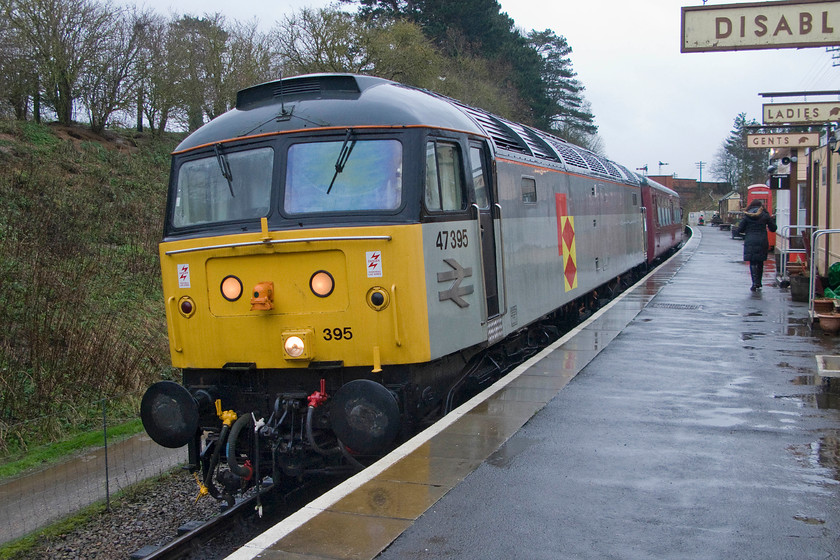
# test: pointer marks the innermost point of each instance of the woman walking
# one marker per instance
(754, 225)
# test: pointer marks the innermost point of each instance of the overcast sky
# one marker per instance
(651, 103)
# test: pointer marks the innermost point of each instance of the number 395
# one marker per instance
(338, 333)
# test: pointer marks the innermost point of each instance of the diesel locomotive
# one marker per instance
(346, 258)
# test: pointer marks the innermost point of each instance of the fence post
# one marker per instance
(105, 434)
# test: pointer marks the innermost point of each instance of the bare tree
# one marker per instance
(111, 78)
(63, 37)
(158, 94)
(18, 78)
(323, 40)
(250, 55)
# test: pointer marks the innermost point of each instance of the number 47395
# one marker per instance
(452, 239)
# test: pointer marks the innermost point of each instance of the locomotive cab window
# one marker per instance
(444, 178)
(224, 187)
(344, 175)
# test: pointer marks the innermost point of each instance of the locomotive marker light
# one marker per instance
(231, 288)
(322, 283)
(760, 25)
(186, 306)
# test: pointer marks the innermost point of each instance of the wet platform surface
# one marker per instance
(685, 421)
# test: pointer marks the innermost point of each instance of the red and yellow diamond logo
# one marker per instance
(566, 242)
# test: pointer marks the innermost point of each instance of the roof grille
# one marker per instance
(291, 88)
(594, 163)
(569, 154)
(537, 144)
(501, 134)
(611, 169)
(627, 173)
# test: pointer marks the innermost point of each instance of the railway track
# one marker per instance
(220, 536)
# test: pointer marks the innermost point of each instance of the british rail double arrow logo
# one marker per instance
(455, 291)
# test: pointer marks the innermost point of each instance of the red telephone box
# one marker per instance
(765, 195)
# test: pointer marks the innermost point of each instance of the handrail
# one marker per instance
(282, 241)
(484, 311)
(812, 284)
(788, 250)
(395, 315)
(502, 252)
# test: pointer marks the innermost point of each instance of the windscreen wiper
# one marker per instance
(224, 166)
(343, 156)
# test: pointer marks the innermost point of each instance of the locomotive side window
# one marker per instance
(479, 182)
(343, 176)
(224, 187)
(529, 190)
(444, 182)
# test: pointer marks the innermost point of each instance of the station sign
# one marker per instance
(784, 140)
(761, 25)
(779, 182)
(800, 113)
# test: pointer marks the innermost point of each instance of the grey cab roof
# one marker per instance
(319, 101)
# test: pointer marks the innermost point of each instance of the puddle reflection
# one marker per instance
(828, 453)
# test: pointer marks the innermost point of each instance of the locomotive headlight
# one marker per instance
(322, 283)
(294, 346)
(231, 288)
(297, 345)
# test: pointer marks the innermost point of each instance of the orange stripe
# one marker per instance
(327, 128)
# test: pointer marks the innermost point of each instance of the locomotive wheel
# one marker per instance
(365, 416)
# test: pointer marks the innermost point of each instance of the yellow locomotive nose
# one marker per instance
(263, 299)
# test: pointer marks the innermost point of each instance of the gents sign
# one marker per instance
(761, 25)
(805, 113)
(786, 140)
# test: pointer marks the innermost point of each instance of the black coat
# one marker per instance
(754, 226)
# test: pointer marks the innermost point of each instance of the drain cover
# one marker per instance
(685, 306)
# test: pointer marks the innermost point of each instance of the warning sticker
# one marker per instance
(183, 276)
(374, 264)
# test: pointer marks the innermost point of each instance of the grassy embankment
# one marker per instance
(80, 299)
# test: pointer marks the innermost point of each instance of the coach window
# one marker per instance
(529, 190)
(444, 180)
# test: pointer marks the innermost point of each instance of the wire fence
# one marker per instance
(37, 499)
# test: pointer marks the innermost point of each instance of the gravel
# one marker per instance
(148, 516)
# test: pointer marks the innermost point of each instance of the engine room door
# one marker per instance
(483, 206)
